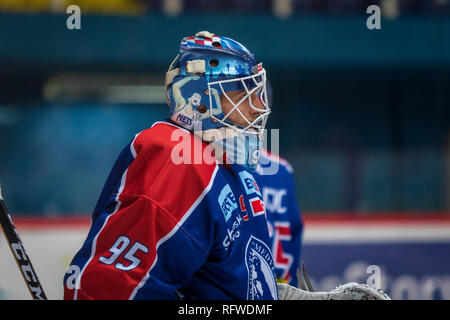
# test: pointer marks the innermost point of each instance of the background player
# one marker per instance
(274, 177)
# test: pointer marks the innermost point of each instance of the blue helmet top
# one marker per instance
(233, 58)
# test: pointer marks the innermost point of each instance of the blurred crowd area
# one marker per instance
(281, 8)
(364, 116)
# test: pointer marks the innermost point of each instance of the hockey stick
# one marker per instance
(303, 279)
(18, 251)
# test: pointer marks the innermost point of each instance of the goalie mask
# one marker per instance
(216, 87)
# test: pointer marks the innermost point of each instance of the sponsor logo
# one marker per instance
(227, 202)
(184, 119)
(260, 267)
(233, 232)
(249, 183)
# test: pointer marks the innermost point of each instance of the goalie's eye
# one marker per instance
(239, 97)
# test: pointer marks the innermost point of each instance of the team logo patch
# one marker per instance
(227, 202)
(260, 267)
(249, 183)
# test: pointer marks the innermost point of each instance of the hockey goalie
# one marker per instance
(181, 215)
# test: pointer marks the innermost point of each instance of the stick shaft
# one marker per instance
(19, 254)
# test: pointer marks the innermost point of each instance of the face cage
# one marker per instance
(259, 89)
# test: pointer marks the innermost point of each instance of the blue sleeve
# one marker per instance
(296, 222)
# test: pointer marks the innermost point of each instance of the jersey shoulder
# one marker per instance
(158, 140)
(160, 170)
(165, 143)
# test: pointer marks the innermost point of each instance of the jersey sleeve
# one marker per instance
(143, 251)
(157, 236)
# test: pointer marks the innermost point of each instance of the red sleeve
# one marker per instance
(153, 202)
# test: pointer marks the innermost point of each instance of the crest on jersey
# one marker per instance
(260, 267)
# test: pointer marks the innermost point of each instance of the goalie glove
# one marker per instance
(348, 291)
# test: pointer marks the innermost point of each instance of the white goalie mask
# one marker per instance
(253, 91)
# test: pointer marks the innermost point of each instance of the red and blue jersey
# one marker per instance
(167, 230)
(275, 177)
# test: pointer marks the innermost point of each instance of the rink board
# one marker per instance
(412, 255)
